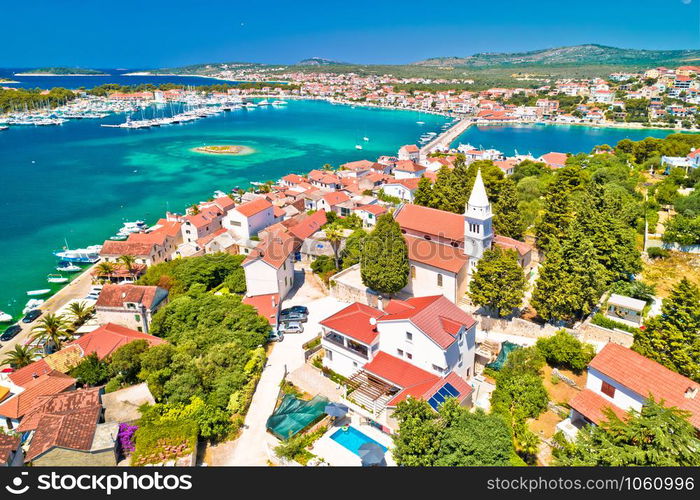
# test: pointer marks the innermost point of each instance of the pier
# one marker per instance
(446, 138)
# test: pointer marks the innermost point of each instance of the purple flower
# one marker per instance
(125, 437)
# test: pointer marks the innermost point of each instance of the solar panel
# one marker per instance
(451, 389)
(434, 404)
(446, 391)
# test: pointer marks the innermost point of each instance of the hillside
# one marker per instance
(319, 61)
(62, 71)
(590, 54)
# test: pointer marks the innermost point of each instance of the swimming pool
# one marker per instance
(352, 439)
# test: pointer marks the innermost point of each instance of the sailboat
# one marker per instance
(358, 146)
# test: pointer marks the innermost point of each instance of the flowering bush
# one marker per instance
(125, 437)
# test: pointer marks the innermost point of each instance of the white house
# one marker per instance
(269, 268)
(248, 219)
(408, 169)
(132, 306)
(369, 214)
(410, 348)
(404, 189)
(409, 152)
(622, 380)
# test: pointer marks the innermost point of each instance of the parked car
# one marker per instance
(290, 315)
(275, 336)
(10, 333)
(299, 309)
(291, 327)
(32, 315)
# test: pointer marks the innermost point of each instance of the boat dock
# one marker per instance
(446, 138)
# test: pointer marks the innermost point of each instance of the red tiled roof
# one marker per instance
(74, 430)
(373, 209)
(509, 243)
(110, 337)
(408, 166)
(410, 148)
(278, 212)
(411, 183)
(335, 198)
(225, 203)
(591, 405)
(133, 248)
(437, 255)
(353, 321)
(205, 216)
(308, 224)
(554, 159)
(427, 389)
(267, 306)
(435, 316)
(357, 165)
(398, 371)
(64, 402)
(251, 208)
(207, 239)
(273, 249)
(644, 377)
(170, 227)
(50, 383)
(116, 295)
(431, 221)
(8, 445)
(61, 361)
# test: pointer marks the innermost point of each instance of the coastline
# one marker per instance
(62, 75)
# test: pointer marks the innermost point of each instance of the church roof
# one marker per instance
(478, 197)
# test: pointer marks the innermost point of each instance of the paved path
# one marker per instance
(251, 447)
(76, 289)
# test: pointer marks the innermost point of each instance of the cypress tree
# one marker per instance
(499, 281)
(384, 263)
(508, 220)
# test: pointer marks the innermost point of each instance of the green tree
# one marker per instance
(353, 248)
(334, 235)
(564, 350)
(125, 362)
(91, 370)
(656, 436)
(508, 220)
(80, 312)
(19, 357)
(384, 262)
(424, 194)
(499, 281)
(52, 329)
(570, 279)
(673, 337)
(129, 263)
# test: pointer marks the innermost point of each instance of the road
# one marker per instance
(77, 289)
(251, 447)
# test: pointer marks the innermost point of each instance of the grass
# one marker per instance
(665, 273)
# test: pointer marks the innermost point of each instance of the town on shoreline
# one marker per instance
(508, 310)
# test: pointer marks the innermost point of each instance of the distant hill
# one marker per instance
(62, 71)
(319, 61)
(205, 69)
(590, 54)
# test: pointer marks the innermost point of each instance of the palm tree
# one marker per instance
(128, 261)
(80, 313)
(334, 235)
(105, 268)
(52, 329)
(20, 357)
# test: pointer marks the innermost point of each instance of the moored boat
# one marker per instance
(32, 304)
(42, 291)
(67, 267)
(56, 278)
(87, 255)
(4, 317)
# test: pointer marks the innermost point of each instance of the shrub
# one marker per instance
(657, 253)
(605, 322)
(564, 350)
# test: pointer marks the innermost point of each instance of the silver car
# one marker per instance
(291, 327)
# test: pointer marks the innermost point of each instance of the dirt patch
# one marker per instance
(664, 274)
(561, 392)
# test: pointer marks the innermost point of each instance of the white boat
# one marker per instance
(420, 123)
(279, 103)
(365, 138)
(4, 317)
(87, 255)
(358, 146)
(264, 102)
(68, 268)
(56, 278)
(32, 304)
(42, 291)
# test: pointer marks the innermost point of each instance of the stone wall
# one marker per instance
(56, 457)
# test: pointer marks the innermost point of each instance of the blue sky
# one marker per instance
(157, 33)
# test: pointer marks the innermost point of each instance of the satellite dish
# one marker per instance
(373, 321)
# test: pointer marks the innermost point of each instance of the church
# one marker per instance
(444, 248)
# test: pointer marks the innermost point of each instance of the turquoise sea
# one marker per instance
(79, 181)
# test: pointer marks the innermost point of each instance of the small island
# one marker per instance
(61, 71)
(6, 80)
(227, 149)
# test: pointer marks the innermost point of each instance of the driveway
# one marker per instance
(251, 447)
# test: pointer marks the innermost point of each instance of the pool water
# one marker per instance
(352, 439)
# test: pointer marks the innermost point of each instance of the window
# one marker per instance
(413, 272)
(608, 390)
(460, 359)
(329, 355)
(438, 369)
(139, 329)
(409, 355)
(399, 352)
(439, 280)
(409, 337)
(137, 317)
(235, 223)
(426, 237)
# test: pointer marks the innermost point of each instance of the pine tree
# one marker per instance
(555, 217)
(508, 220)
(673, 338)
(499, 281)
(424, 193)
(384, 263)
(570, 280)
(442, 195)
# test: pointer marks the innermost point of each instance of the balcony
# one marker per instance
(347, 344)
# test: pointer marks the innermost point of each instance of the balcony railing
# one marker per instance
(338, 341)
